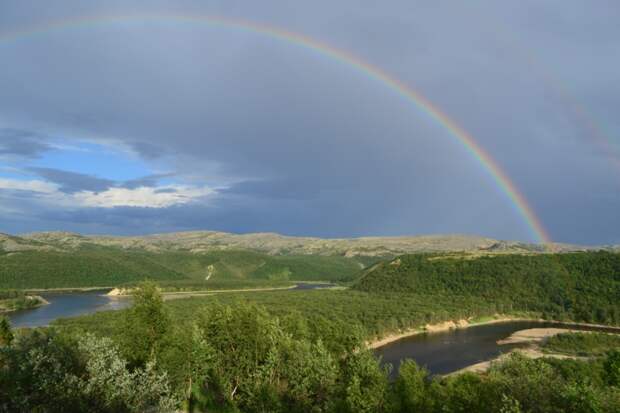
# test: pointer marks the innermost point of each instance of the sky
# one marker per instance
(151, 123)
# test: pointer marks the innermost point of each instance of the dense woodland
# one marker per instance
(304, 351)
(99, 266)
(242, 359)
(575, 286)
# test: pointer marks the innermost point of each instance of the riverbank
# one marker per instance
(120, 292)
(439, 328)
(532, 353)
(171, 295)
(535, 338)
(472, 322)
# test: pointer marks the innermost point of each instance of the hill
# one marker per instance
(92, 265)
(276, 244)
(581, 286)
(211, 259)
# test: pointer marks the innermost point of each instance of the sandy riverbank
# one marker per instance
(438, 328)
(452, 325)
(532, 353)
(116, 292)
(534, 337)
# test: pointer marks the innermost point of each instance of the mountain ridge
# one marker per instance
(277, 244)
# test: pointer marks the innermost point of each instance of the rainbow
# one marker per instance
(594, 131)
(499, 177)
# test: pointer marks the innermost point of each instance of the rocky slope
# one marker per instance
(275, 244)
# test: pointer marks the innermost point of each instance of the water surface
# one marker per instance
(67, 305)
(445, 352)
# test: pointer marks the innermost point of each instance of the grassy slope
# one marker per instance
(93, 265)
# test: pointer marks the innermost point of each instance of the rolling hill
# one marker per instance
(208, 258)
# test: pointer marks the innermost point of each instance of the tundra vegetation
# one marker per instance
(305, 351)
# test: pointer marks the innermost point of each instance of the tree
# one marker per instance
(612, 368)
(6, 335)
(365, 383)
(146, 324)
(410, 388)
(112, 387)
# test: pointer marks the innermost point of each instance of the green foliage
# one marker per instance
(582, 344)
(411, 389)
(514, 385)
(112, 387)
(13, 300)
(340, 318)
(49, 372)
(578, 286)
(6, 335)
(612, 368)
(145, 324)
(242, 358)
(99, 266)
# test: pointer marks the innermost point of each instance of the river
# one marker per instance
(448, 351)
(73, 304)
(440, 353)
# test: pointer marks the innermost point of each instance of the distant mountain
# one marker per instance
(275, 244)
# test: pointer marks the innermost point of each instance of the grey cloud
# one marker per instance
(148, 150)
(22, 143)
(71, 182)
(311, 144)
(275, 189)
(145, 181)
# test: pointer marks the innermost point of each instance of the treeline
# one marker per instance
(325, 312)
(242, 359)
(100, 266)
(582, 344)
(581, 286)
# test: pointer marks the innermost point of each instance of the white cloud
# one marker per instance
(34, 185)
(147, 197)
(161, 197)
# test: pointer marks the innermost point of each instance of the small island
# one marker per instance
(11, 300)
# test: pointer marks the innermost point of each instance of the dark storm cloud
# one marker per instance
(278, 189)
(301, 143)
(71, 182)
(22, 143)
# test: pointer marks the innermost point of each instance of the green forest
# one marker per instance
(306, 351)
(240, 358)
(574, 286)
(99, 266)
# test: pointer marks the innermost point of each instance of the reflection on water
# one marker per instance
(453, 350)
(67, 305)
